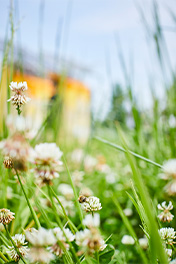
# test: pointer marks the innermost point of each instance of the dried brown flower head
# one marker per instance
(6, 216)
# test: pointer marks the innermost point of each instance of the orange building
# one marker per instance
(76, 98)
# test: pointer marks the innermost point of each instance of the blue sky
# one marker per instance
(89, 40)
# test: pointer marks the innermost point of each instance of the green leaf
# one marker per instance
(106, 255)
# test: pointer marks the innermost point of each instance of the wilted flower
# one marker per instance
(127, 240)
(40, 240)
(92, 204)
(90, 241)
(8, 163)
(46, 157)
(165, 215)
(66, 190)
(168, 235)
(92, 221)
(6, 216)
(18, 98)
(20, 243)
(62, 238)
(18, 151)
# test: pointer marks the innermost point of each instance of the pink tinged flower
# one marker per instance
(46, 157)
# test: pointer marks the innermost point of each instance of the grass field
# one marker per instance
(111, 200)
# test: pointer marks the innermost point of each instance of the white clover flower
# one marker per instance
(168, 252)
(22, 86)
(62, 236)
(171, 188)
(169, 169)
(128, 211)
(143, 242)
(92, 204)
(46, 157)
(18, 98)
(68, 205)
(127, 240)
(92, 221)
(66, 190)
(82, 237)
(41, 237)
(6, 216)
(20, 243)
(40, 255)
(168, 235)
(172, 261)
(90, 241)
(77, 156)
(89, 163)
(17, 149)
(110, 178)
(78, 177)
(165, 215)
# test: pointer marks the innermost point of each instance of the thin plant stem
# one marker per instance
(129, 151)
(71, 225)
(28, 202)
(3, 257)
(61, 226)
(74, 191)
(13, 243)
(97, 256)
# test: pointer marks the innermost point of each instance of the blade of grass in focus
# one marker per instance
(124, 150)
(156, 247)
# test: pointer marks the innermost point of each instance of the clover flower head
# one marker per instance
(66, 190)
(143, 242)
(92, 204)
(169, 169)
(8, 163)
(18, 98)
(41, 237)
(6, 216)
(170, 188)
(40, 255)
(92, 221)
(165, 215)
(90, 241)
(46, 157)
(61, 236)
(127, 240)
(168, 235)
(20, 243)
(17, 149)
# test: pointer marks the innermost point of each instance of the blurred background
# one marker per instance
(91, 63)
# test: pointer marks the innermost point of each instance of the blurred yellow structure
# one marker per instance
(76, 116)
